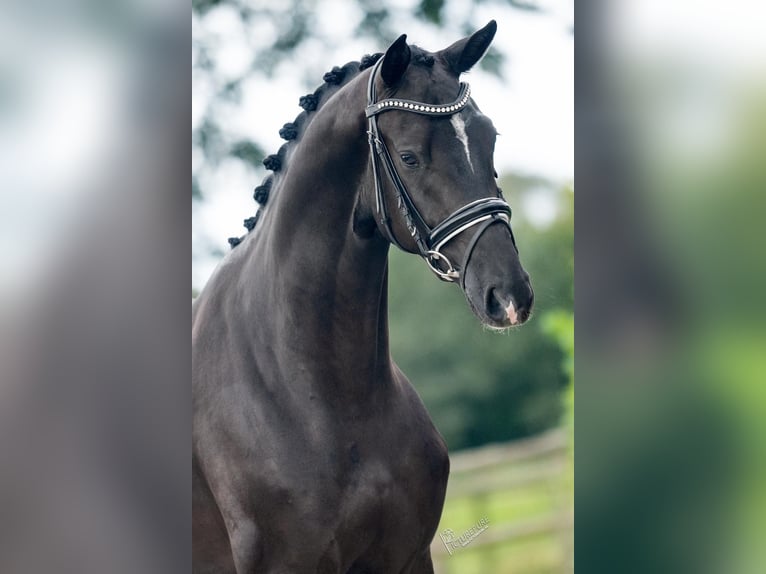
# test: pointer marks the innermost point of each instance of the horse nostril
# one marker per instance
(514, 306)
(495, 307)
(529, 298)
(525, 302)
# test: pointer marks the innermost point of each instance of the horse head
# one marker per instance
(435, 181)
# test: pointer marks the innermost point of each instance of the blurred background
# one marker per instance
(95, 412)
(513, 392)
(670, 106)
(670, 103)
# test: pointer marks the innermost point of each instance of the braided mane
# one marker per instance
(292, 131)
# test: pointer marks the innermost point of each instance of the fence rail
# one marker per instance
(550, 442)
(504, 475)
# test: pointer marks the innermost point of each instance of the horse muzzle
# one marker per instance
(496, 286)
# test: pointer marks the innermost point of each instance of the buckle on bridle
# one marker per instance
(450, 275)
(375, 142)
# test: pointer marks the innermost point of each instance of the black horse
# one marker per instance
(311, 450)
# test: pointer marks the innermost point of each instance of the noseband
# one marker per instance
(429, 240)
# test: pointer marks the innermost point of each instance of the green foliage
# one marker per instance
(431, 10)
(528, 6)
(560, 325)
(202, 6)
(480, 386)
(375, 23)
(248, 151)
(209, 139)
(492, 62)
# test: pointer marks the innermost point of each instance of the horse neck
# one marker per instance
(328, 285)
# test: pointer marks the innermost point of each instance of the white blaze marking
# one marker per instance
(459, 125)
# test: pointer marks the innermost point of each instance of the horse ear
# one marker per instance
(395, 61)
(463, 54)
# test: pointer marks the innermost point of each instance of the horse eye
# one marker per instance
(409, 159)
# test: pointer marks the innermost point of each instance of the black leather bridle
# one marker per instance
(429, 240)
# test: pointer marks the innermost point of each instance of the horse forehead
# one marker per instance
(431, 85)
(469, 126)
(479, 128)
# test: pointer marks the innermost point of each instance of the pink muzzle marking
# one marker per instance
(511, 312)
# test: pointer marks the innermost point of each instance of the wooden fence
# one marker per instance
(488, 483)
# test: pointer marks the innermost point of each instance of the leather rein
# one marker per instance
(429, 240)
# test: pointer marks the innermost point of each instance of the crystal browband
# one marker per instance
(421, 108)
